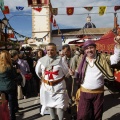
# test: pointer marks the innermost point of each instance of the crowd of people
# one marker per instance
(57, 77)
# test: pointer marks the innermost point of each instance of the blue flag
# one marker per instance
(19, 8)
(2, 4)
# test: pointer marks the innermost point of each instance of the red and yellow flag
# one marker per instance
(102, 10)
(88, 8)
(6, 10)
(70, 10)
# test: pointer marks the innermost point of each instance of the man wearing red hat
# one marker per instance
(92, 69)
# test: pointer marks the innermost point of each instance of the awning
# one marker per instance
(106, 42)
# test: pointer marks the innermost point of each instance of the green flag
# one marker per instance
(2, 4)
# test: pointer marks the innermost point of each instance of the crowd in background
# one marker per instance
(19, 80)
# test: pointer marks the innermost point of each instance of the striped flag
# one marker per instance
(102, 10)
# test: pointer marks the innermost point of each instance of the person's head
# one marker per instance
(14, 54)
(5, 60)
(40, 53)
(21, 54)
(51, 49)
(88, 18)
(89, 48)
(61, 53)
(66, 50)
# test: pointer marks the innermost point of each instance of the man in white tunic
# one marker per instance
(92, 69)
(53, 94)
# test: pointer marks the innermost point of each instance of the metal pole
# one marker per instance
(5, 37)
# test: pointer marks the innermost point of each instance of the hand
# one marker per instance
(71, 72)
(117, 40)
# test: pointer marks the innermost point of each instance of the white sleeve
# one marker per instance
(115, 58)
(38, 69)
(65, 68)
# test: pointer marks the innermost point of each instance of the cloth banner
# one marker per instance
(116, 8)
(19, 7)
(38, 9)
(70, 10)
(54, 11)
(6, 10)
(2, 4)
(102, 10)
(88, 8)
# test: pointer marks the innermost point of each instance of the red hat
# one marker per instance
(89, 43)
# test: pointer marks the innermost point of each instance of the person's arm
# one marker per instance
(115, 58)
(38, 69)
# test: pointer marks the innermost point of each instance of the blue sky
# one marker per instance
(22, 24)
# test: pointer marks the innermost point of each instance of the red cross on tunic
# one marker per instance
(51, 73)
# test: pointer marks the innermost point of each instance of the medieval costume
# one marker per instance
(53, 93)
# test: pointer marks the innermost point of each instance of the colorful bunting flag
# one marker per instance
(6, 10)
(88, 8)
(19, 7)
(70, 10)
(116, 8)
(38, 9)
(2, 4)
(54, 11)
(102, 10)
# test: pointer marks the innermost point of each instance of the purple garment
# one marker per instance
(24, 67)
(81, 70)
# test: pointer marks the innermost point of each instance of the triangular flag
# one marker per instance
(19, 8)
(102, 10)
(38, 9)
(116, 8)
(88, 8)
(2, 4)
(6, 10)
(70, 10)
(54, 11)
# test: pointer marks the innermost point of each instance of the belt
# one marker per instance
(52, 83)
(99, 90)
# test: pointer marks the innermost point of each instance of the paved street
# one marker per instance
(31, 108)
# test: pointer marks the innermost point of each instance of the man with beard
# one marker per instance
(92, 69)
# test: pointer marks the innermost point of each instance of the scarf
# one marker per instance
(81, 70)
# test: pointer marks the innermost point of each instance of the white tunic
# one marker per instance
(53, 96)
